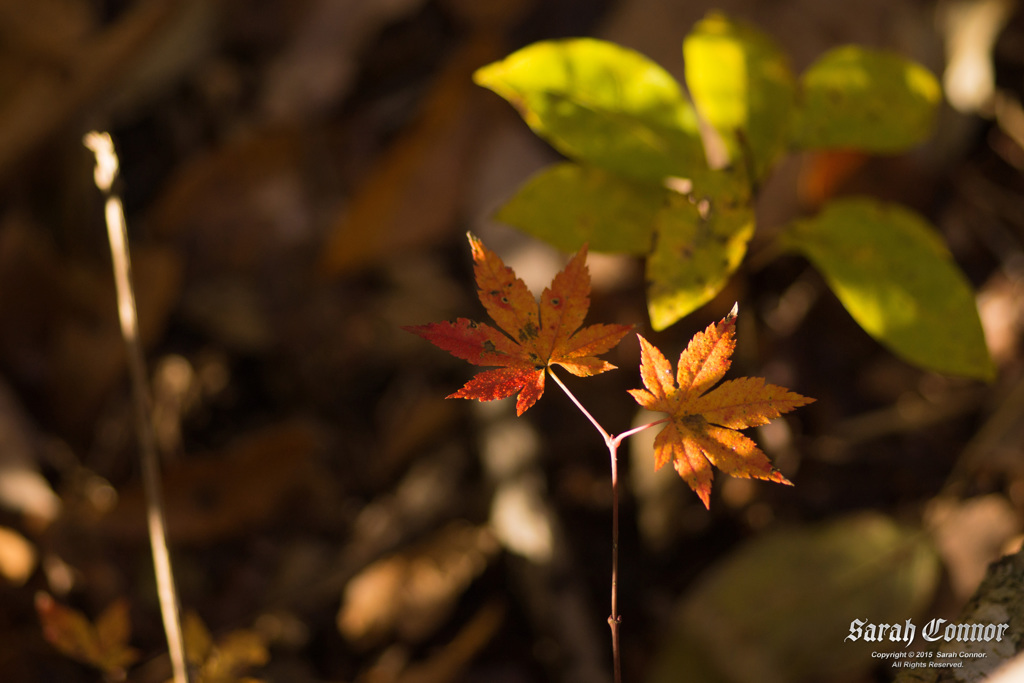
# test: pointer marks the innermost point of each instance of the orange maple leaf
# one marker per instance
(702, 429)
(531, 337)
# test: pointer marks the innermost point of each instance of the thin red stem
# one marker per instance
(612, 442)
(636, 430)
(604, 434)
(613, 619)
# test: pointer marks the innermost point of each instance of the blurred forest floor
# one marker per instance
(298, 180)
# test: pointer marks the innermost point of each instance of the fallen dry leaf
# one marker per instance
(103, 644)
(226, 659)
(51, 90)
(215, 496)
(416, 189)
(412, 592)
(449, 661)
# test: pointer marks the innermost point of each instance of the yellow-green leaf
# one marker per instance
(741, 83)
(786, 599)
(895, 276)
(599, 102)
(868, 99)
(698, 245)
(569, 205)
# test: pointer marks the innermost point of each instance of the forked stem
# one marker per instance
(612, 442)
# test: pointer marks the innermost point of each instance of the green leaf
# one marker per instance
(568, 205)
(785, 600)
(741, 81)
(601, 103)
(699, 243)
(895, 276)
(868, 99)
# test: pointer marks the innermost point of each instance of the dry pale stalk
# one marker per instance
(105, 173)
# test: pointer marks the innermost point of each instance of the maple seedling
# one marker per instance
(703, 423)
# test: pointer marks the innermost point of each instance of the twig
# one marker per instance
(612, 442)
(106, 170)
(604, 435)
(614, 620)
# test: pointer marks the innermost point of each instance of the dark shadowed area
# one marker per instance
(298, 180)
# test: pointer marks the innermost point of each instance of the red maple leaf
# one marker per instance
(702, 430)
(531, 337)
